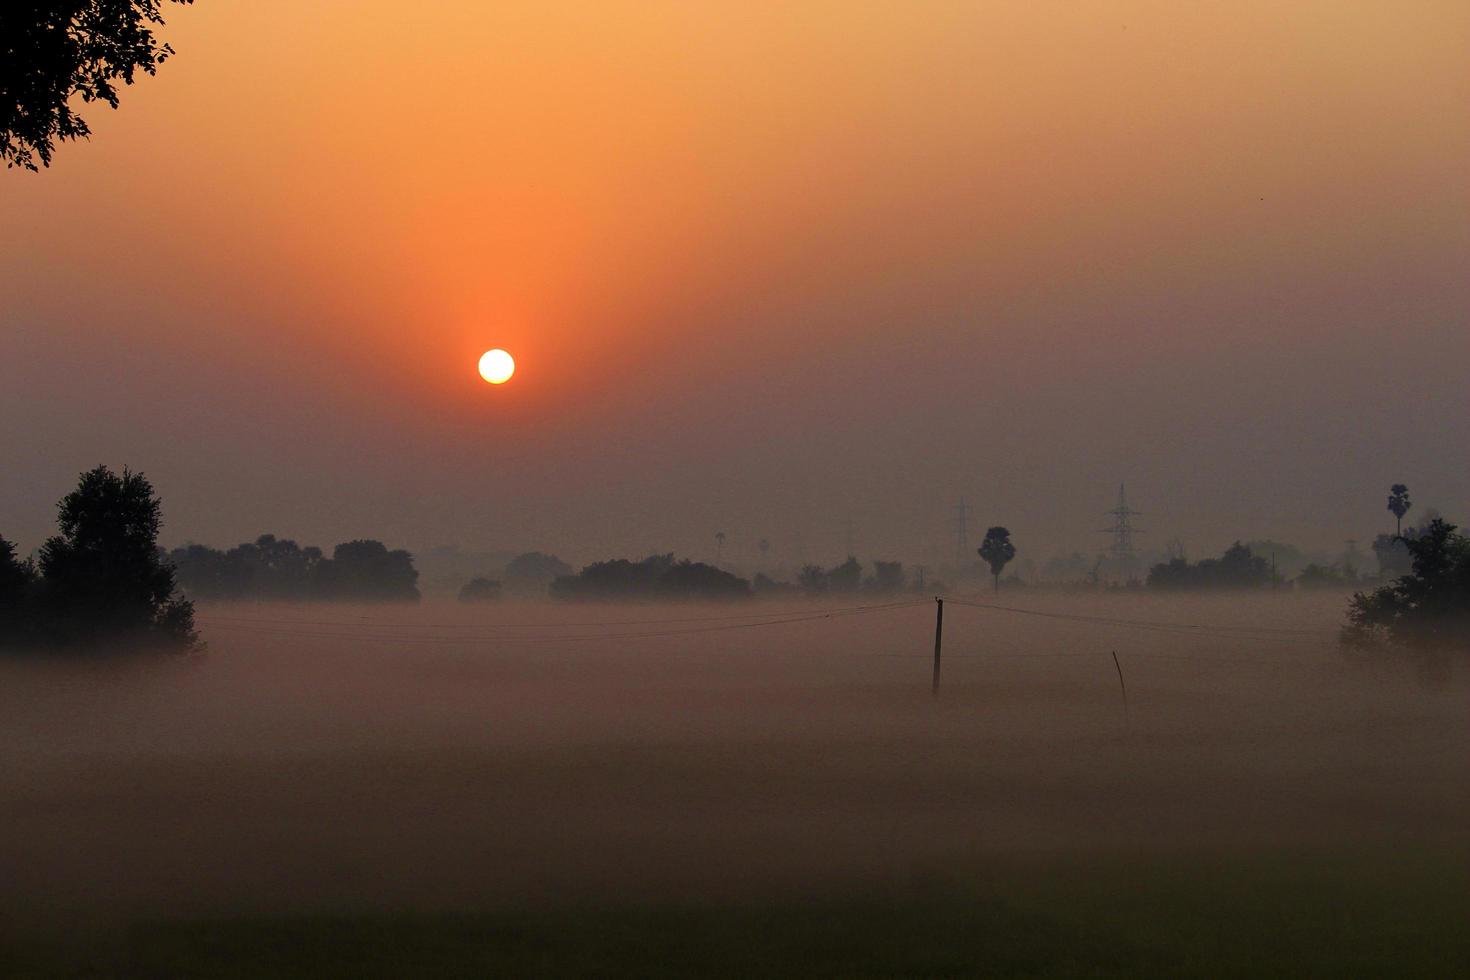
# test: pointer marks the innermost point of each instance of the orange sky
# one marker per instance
(762, 267)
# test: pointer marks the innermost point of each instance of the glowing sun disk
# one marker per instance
(496, 366)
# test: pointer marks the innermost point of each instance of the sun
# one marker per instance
(496, 366)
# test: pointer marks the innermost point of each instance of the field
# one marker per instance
(757, 789)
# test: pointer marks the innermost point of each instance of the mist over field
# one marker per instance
(332, 757)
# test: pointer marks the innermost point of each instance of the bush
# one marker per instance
(1428, 609)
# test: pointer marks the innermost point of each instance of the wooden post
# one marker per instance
(938, 636)
(1127, 721)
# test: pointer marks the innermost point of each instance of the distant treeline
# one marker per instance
(279, 568)
(655, 577)
(665, 577)
(888, 577)
(1237, 568)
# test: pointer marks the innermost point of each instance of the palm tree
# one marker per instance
(997, 551)
(719, 545)
(1398, 503)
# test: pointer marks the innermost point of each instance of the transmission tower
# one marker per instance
(961, 533)
(1120, 553)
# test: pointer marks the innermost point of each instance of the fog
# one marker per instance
(332, 757)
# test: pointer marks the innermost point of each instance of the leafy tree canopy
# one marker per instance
(997, 550)
(1430, 607)
(52, 51)
(104, 577)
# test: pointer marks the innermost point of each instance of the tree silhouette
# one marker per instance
(103, 576)
(1428, 608)
(1398, 504)
(846, 577)
(719, 545)
(1237, 568)
(368, 570)
(52, 50)
(17, 595)
(997, 551)
(655, 577)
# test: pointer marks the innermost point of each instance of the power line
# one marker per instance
(376, 623)
(1194, 629)
(573, 637)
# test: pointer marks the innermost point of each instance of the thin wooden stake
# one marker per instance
(1127, 721)
(938, 637)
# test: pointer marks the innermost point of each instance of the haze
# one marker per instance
(763, 270)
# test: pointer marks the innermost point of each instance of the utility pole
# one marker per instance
(938, 638)
(848, 527)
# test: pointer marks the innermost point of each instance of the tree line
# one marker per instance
(279, 568)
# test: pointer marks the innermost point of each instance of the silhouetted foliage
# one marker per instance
(1392, 550)
(812, 579)
(18, 584)
(655, 577)
(1237, 568)
(103, 578)
(845, 577)
(887, 579)
(764, 585)
(997, 551)
(480, 590)
(534, 571)
(366, 569)
(1426, 609)
(1398, 505)
(279, 568)
(54, 50)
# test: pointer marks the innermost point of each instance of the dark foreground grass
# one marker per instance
(1388, 916)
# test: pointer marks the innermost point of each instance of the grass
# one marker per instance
(1300, 917)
